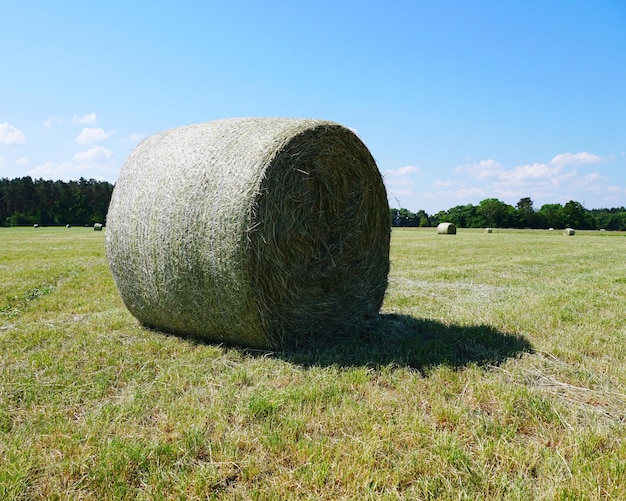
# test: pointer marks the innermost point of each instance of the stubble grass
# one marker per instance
(496, 371)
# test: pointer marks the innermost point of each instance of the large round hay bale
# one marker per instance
(254, 231)
(97, 227)
(446, 229)
(569, 232)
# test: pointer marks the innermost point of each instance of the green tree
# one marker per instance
(576, 216)
(494, 212)
(551, 216)
(462, 216)
(526, 212)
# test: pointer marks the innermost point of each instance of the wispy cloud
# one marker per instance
(92, 135)
(399, 181)
(492, 171)
(89, 118)
(52, 120)
(553, 181)
(444, 183)
(10, 134)
(576, 159)
(92, 155)
(95, 162)
(402, 176)
(481, 170)
(135, 137)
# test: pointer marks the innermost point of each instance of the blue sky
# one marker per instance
(458, 101)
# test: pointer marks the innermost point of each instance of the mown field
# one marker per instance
(497, 370)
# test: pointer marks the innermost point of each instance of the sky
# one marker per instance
(458, 101)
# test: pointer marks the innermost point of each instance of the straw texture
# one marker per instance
(254, 231)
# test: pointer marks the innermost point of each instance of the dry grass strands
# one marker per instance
(446, 229)
(254, 231)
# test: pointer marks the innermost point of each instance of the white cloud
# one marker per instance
(23, 161)
(448, 198)
(401, 176)
(135, 137)
(52, 120)
(404, 171)
(94, 162)
(524, 173)
(567, 176)
(441, 183)
(91, 135)
(11, 135)
(580, 158)
(89, 118)
(399, 181)
(482, 170)
(93, 154)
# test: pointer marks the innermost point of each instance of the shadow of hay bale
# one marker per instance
(405, 341)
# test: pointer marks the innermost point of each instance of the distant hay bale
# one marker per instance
(253, 231)
(35, 225)
(68, 225)
(569, 231)
(446, 229)
(97, 227)
(488, 230)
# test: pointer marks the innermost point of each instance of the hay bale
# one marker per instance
(253, 231)
(97, 227)
(446, 229)
(569, 231)
(68, 225)
(35, 225)
(488, 230)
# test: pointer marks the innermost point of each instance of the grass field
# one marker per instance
(497, 370)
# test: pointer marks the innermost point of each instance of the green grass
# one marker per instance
(497, 370)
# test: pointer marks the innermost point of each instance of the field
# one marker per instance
(497, 370)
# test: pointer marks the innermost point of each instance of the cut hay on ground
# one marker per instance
(446, 229)
(252, 231)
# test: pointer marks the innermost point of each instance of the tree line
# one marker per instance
(27, 202)
(24, 201)
(492, 212)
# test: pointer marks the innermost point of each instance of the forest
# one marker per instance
(24, 201)
(47, 203)
(492, 212)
